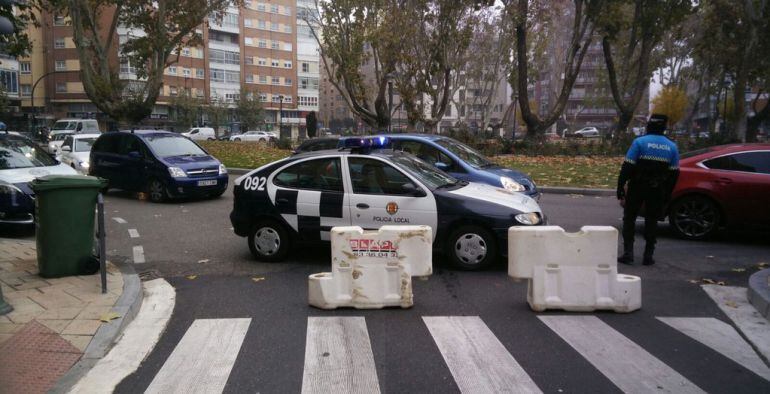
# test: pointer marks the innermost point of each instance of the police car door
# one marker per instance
(379, 196)
(309, 196)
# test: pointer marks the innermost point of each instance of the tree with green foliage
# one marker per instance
(158, 30)
(311, 123)
(21, 16)
(631, 30)
(185, 109)
(249, 110)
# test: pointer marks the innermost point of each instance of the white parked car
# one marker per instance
(55, 142)
(201, 134)
(75, 151)
(255, 136)
(588, 132)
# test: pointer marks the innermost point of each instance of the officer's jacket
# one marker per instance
(653, 159)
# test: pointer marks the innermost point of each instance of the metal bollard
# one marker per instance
(101, 239)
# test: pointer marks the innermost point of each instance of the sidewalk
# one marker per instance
(55, 322)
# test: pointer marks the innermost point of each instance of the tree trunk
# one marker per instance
(739, 102)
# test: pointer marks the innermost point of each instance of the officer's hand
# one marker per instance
(621, 193)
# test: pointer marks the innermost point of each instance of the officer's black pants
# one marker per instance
(653, 199)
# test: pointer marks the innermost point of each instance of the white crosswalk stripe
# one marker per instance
(478, 361)
(625, 363)
(721, 337)
(201, 362)
(338, 357)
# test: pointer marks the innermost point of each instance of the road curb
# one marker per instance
(126, 307)
(543, 189)
(759, 291)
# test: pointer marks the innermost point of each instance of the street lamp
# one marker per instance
(280, 116)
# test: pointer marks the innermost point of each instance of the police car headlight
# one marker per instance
(511, 185)
(529, 219)
(222, 169)
(176, 172)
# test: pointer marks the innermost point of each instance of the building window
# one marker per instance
(186, 72)
(199, 93)
(25, 67)
(200, 73)
(307, 101)
(58, 20)
(274, 9)
(260, 7)
(286, 46)
(226, 57)
(286, 64)
(61, 65)
(248, 60)
(186, 52)
(26, 90)
(231, 97)
(247, 22)
(172, 70)
(287, 81)
(276, 81)
(305, 67)
(58, 43)
(249, 79)
(287, 99)
(248, 41)
(172, 91)
(262, 44)
(61, 87)
(262, 79)
(262, 97)
(261, 62)
(308, 83)
(274, 63)
(287, 29)
(275, 45)
(261, 24)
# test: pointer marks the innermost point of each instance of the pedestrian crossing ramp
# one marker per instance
(373, 269)
(572, 271)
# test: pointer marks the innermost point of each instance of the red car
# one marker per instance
(726, 185)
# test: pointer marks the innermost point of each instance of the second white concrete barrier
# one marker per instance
(572, 271)
(373, 269)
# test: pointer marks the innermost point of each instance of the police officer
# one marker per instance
(651, 169)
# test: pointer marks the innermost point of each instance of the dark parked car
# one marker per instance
(316, 144)
(725, 185)
(161, 163)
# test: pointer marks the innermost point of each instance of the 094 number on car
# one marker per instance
(255, 183)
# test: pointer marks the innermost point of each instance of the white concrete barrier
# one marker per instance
(572, 271)
(373, 269)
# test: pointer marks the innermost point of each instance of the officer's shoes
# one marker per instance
(648, 260)
(626, 258)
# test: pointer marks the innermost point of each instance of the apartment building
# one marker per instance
(253, 49)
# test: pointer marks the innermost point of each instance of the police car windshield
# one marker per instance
(172, 145)
(465, 152)
(426, 173)
(17, 153)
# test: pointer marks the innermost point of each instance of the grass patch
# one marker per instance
(573, 171)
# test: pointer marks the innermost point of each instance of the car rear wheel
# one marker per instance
(694, 217)
(471, 248)
(269, 241)
(237, 139)
(157, 191)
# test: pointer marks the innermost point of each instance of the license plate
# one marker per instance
(207, 183)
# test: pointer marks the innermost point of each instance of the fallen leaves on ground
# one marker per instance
(712, 282)
(203, 261)
(109, 316)
(762, 265)
(243, 154)
(258, 278)
(191, 277)
(731, 304)
(739, 269)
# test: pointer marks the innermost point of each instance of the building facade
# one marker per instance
(253, 50)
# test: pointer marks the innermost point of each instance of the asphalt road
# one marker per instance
(182, 239)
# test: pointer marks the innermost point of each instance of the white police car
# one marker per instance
(300, 198)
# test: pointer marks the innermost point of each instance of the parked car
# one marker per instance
(587, 132)
(726, 185)
(201, 134)
(55, 142)
(316, 144)
(69, 126)
(263, 137)
(161, 163)
(21, 161)
(76, 150)
(301, 197)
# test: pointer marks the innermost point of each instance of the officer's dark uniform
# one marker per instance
(651, 169)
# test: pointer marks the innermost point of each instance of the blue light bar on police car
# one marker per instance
(367, 142)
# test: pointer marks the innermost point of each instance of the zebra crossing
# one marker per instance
(339, 356)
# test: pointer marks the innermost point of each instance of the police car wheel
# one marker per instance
(471, 248)
(269, 241)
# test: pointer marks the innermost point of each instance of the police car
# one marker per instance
(300, 198)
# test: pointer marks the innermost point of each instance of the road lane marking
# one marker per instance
(120, 220)
(622, 361)
(202, 361)
(722, 338)
(138, 254)
(338, 357)
(733, 301)
(133, 233)
(135, 343)
(478, 361)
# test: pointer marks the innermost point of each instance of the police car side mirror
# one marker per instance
(442, 166)
(412, 190)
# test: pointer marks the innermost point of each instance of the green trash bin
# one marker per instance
(65, 207)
